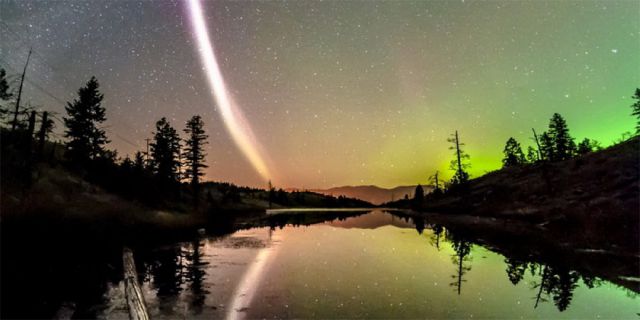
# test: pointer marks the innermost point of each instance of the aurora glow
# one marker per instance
(234, 120)
(337, 92)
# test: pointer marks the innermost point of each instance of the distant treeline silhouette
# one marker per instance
(167, 174)
(555, 144)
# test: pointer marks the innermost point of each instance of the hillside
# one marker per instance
(61, 199)
(598, 183)
(371, 193)
(592, 201)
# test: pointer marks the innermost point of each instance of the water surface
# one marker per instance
(373, 265)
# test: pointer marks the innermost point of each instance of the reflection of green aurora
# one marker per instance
(378, 265)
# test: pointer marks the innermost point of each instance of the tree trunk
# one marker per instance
(42, 134)
(15, 114)
(535, 136)
(458, 153)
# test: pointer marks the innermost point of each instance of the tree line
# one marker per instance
(554, 144)
(169, 152)
(167, 174)
(170, 161)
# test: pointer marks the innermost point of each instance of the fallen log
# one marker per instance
(133, 292)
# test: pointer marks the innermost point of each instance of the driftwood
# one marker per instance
(133, 292)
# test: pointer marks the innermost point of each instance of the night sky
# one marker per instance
(338, 92)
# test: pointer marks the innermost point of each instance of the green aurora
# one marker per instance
(344, 92)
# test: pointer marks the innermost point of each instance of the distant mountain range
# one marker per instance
(373, 194)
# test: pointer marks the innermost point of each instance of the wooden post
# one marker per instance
(133, 293)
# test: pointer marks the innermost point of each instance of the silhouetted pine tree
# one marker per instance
(563, 144)
(138, 162)
(164, 151)
(86, 138)
(46, 127)
(5, 94)
(587, 145)
(459, 164)
(513, 155)
(127, 165)
(436, 184)
(194, 153)
(547, 148)
(418, 196)
(635, 107)
(532, 155)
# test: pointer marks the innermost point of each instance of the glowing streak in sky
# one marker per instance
(235, 122)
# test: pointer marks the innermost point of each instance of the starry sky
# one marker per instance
(338, 92)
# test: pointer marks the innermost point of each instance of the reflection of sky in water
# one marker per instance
(224, 261)
(369, 266)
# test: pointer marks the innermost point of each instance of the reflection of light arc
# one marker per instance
(235, 122)
(248, 285)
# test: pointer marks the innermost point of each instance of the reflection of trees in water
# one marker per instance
(461, 247)
(559, 283)
(165, 272)
(515, 269)
(173, 270)
(419, 223)
(438, 232)
(195, 275)
(462, 250)
(555, 282)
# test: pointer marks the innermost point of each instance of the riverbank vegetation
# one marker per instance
(79, 178)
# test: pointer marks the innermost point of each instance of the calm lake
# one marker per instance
(372, 265)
